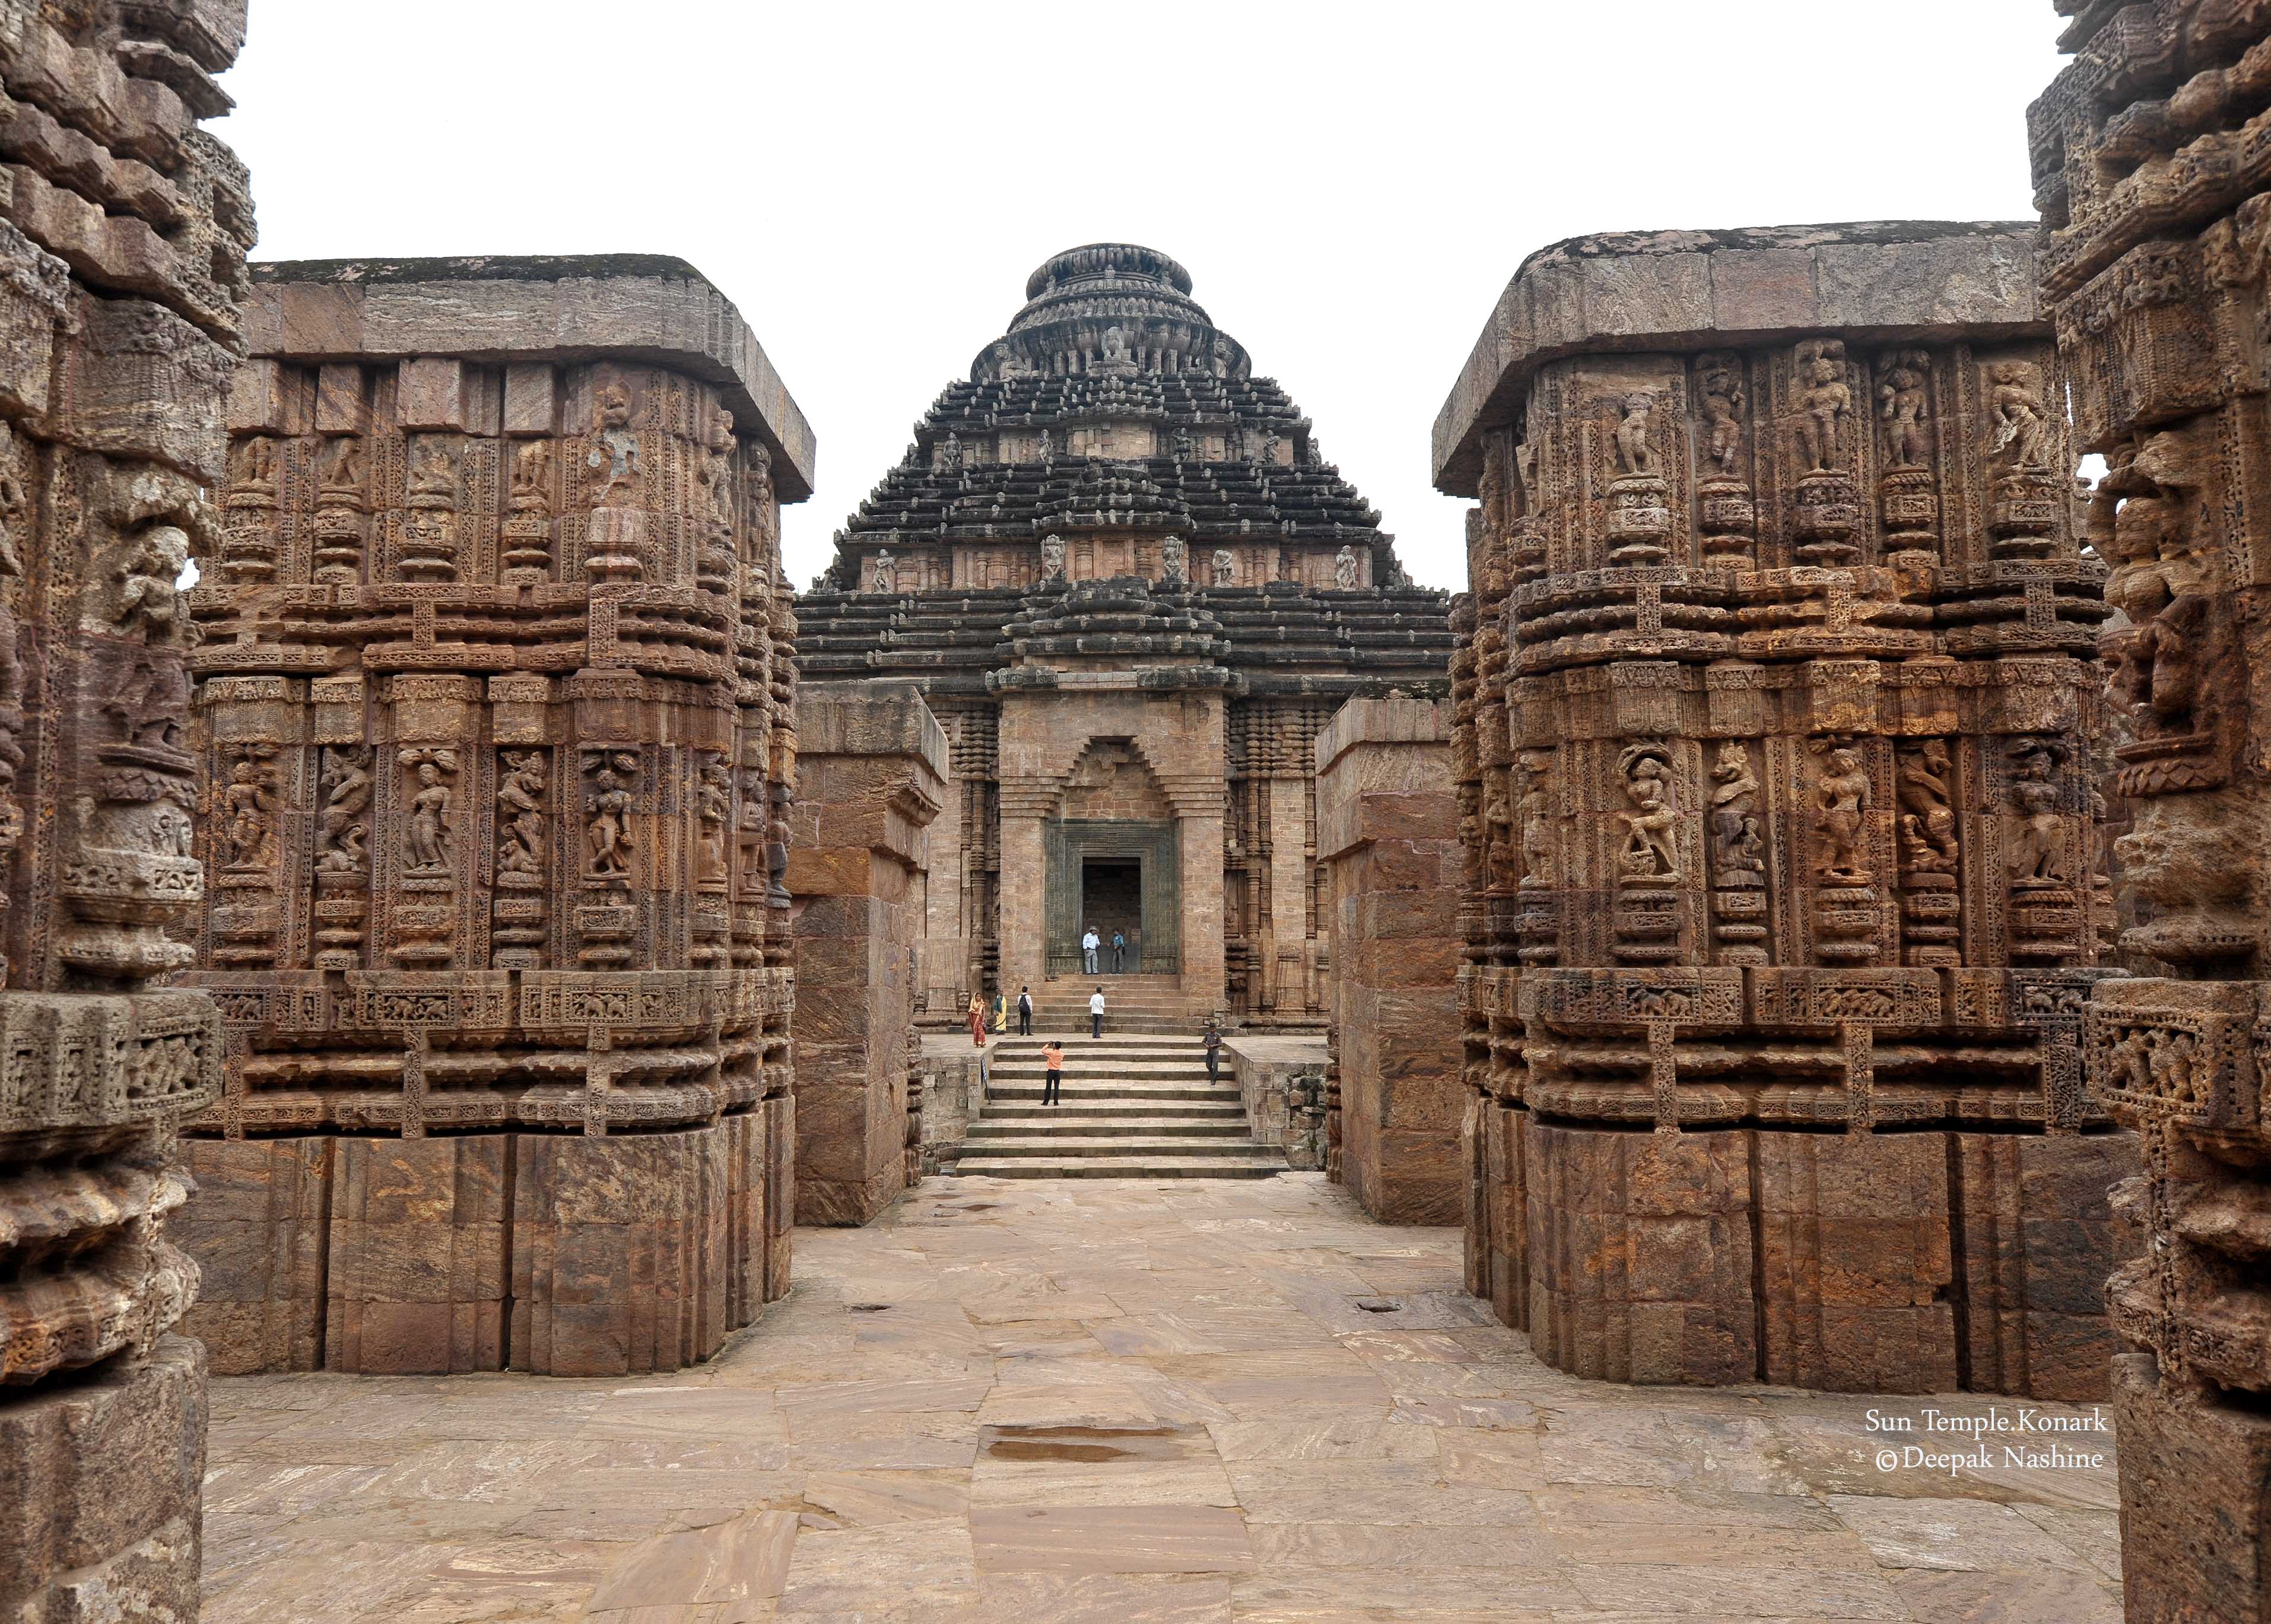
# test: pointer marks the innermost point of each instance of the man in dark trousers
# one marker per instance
(1025, 1012)
(1096, 1013)
(1214, 1055)
(1119, 953)
(1052, 1057)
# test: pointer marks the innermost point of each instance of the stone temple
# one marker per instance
(1133, 591)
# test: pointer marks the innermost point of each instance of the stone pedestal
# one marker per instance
(872, 774)
(1388, 831)
(1779, 839)
(496, 727)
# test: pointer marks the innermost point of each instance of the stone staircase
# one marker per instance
(1153, 1005)
(1134, 1107)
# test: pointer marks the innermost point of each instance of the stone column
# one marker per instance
(872, 774)
(1774, 756)
(496, 735)
(1388, 827)
(2153, 270)
(123, 231)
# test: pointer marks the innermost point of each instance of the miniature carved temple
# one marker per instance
(496, 716)
(1133, 591)
(123, 232)
(2157, 203)
(1774, 746)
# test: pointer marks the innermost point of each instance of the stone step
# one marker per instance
(1072, 1145)
(1024, 1126)
(1121, 1166)
(1089, 1092)
(1027, 1070)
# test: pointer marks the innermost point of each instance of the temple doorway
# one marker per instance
(1111, 898)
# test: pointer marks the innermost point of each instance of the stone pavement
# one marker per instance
(1032, 1403)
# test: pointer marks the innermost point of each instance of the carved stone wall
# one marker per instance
(1774, 750)
(2158, 204)
(496, 726)
(123, 232)
(872, 772)
(1388, 830)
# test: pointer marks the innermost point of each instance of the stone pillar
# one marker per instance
(1388, 829)
(1775, 750)
(2153, 270)
(872, 772)
(493, 725)
(123, 232)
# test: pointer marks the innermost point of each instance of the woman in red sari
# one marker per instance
(978, 1019)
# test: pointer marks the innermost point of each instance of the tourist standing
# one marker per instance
(1089, 943)
(1214, 1055)
(978, 1019)
(1052, 1057)
(1118, 952)
(1096, 1013)
(1025, 1012)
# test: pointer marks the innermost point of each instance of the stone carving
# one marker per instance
(1183, 554)
(1808, 774)
(2152, 270)
(887, 573)
(121, 274)
(496, 821)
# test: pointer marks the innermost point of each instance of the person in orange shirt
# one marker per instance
(1052, 1057)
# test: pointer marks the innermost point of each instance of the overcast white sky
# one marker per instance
(1350, 187)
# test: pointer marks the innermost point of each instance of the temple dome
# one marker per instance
(1110, 308)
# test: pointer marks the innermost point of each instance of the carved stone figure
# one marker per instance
(428, 834)
(1225, 566)
(1184, 445)
(950, 454)
(246, 839)
(1724, 402)
(607, 825)
(1825, 401)
(887, 573)
(1737, 847)
(1173, 564)
(1053, 559)
(1345, 570)
(2022, 430)
(1920, 782)
(521, 843)
(713, 806)
(1842, 796)
(614, 457)
(1648, 853)
(1903, 406)
(344, 831)
(1636, 443)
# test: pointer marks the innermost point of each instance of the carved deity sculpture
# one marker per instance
(427, 838)
(1048, 448)
(1172, 561)
(606, 826)
(1842, 796)
(1648, 855)
(1921, 784)
(521, 841)
(344, 832)
(1635, 436)
(1053, 559)
(1723, 413)
(1904, 406)
(2021, 427)
(1737, 847)
(614, 454)
(887, 573)
(1345, 570)
(950, 454)
(1825, 402)
(1184, 445)
(246, 839)
(2038, 854)
(1115, 344)
(532, 477)
(1540, 869)
(1225, 566)
(713, 805)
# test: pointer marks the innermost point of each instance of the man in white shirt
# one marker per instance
(1089, 943)
(1025, 1012)
(1096, 1013)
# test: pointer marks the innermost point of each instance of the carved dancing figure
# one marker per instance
(887, 573)
(1722, 411)
(1052, 558)
(1927, 808)
(1841, 803)
(1903, 404)
(1648, 855)
(1737, 847)
(2038, 850)
(1824, 402)
(2021, 427)
(520, 808)
(1183, 442)
(1636, 434)
(532, 477)
(247, 827)
(347, 787)
(427, 841)
(949, 453)
(1345, 570)
(714, 803)
(1225, 566)
(1172, 558)
(606, 829)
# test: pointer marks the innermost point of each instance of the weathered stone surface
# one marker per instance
(1132, 590)
(122, 233)
(1775, 734)
(1388, 830)
(2155, 200)
(873, 772)
(497, 719)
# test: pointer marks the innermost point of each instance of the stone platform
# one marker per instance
(1110, 1401)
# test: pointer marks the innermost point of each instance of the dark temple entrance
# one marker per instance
(1111, 898)
(1113, 874)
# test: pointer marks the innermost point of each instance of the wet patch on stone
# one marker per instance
(1085, 1443)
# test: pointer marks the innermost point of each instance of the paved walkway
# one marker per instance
(1031, 1402)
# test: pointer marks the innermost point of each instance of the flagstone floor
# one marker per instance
(1032, 1403)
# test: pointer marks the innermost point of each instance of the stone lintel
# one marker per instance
(1930, 281)
(506, 310)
